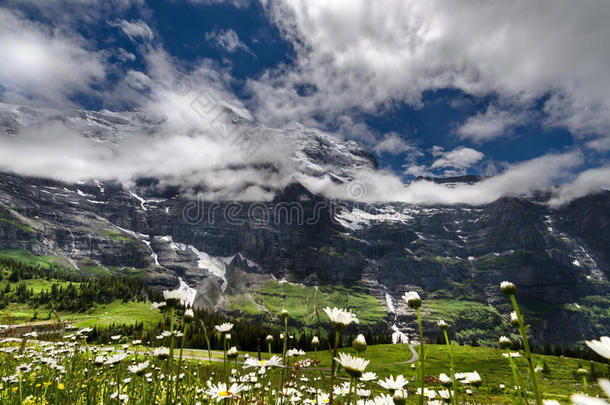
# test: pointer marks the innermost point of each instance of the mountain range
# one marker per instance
(303, 249)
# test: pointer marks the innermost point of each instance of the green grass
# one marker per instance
(91, 267)
(472, 319)
(301, 301)
(117, 312)
(494, 368)
(37, 284)
(118, 236)
(31, 259)
(21, 226)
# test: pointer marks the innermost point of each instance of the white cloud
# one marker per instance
(417, 170)
(234, 3)
(587, 182)
(135, 29)
(42, 65)
(491, 124)
(227, 39)
(516, 180)
(458, 158)
(367, 56)
(392, 144)
(137, 80)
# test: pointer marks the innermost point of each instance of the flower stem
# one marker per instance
(420, 398)
(452, 367)
(516, 378)
(170, 359)
(284, 357)
(180, 357)
(526, 346)
(333, 366)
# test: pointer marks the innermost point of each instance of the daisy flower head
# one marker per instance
(601, 346)
(353, 365)
(223, 391)
(161, 353)
(138, 369)
(359, 343)
(413, 299)
(117, 358)
(508, 288)
(514, 319)
(445, 380)
(368, 376)
(156, 305)
(224, 327)
(340, 318)
(504, 343)
(172, 297)
(400, 397)
(232, 353)
(274, 361)
(429, 394)
(393, 383)
(295, 353)
(472, 378)
(581, 399)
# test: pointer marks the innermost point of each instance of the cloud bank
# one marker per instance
(44, 65)
(367, 56)
(349, 60)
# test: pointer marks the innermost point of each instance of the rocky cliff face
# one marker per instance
(243, 257)
(227, 250)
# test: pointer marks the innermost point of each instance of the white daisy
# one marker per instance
(295, 353)
(472, 378)
(138, 368)
(161, 353)
(117, 358)
(353, 365)
(413, 299)
(274, 361)
(601, 346)
(221, 391)
(224, 327)
(340, 318)
(368, 376)
(393, 383)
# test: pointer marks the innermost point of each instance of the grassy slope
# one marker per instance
(21, 226)
(35, 284)
(301, 301)
(116, 312)
(29, 258)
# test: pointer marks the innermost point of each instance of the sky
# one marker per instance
(517, 92)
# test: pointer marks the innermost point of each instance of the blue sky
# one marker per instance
(430, 89)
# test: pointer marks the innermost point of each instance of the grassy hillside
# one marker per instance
(117, 312)
(28, 258)
(301, 301)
